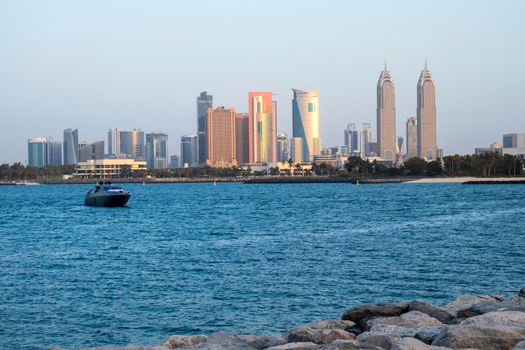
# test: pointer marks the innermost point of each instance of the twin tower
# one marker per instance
(426, 116)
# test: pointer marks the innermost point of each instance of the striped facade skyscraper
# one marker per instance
(426, 116)
(222, 138)
(386, 116)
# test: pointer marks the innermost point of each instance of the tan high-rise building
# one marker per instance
(242, 136)
(411, 137)
(426, 116)
(262, 133)
(386, 116)
(221, 137)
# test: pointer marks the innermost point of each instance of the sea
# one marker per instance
(243, 258)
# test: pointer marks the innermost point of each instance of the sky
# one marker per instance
(95, 65)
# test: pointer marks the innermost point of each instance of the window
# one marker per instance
(311, 107)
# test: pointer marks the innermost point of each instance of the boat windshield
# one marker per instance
(112, 188)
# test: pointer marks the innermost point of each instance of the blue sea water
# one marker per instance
(198, 258)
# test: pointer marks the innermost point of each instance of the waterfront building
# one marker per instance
(351, 138)
(71, 147)
(242, 146)
(174, 162)
(426, 116)
(262, 128)
(283, 150)
(305, 112)
(157, 150)
(204, 102)
(344, 151)
(365, 140)
(221, 137)
(107, 168)
(132, 144)
(386, 116)
(296, 149)
(91, 151)
(411, 137)
(54, 152)
(189, 151)
(37, 152)
(327, 159)
(514, 141)
(114, 142)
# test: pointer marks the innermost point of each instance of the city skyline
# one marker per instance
(145, 77)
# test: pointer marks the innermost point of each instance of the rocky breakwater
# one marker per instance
(470, 322)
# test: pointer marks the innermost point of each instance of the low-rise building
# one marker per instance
(108, 168)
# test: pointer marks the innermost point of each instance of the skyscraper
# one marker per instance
(365, 140)
(242, 138)
(71, 147)
(132, 144)
(204, 102)
(114, 142)
(411, 137)
(262, 127)
(426, 116)
(399, 144)
(386, 116)
(37, 152)
(305, 111)
(91, 151)
(157, 150)
(174, 161)
(54, 152)
(283, 150)
(189, 150)
(351, 138)
(296, 149)
(221, 137)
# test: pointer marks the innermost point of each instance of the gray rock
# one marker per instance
(497, 330)
(377, 339)
(521, 293)
(465, 302)
(412, 319)
(519, 346)
(394, 331)
(223, 341)
(356, 314)
(317, 336)
(438, 313)
(330, 324)
(427, 335)
(413, 344)
(294, 346)
(507, 304)
(262, 342)
(179, 341)
(126, 347)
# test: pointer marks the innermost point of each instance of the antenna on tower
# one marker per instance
(426, 66)
(385, 63)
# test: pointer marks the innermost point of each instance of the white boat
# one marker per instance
(25, 183)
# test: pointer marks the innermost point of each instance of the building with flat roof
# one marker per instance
(283, 149)
(204, 102)
(262, 125)
(189, 155)
(89, 151)
(71, 146)
(242, 138)
(108, 168)
(157, 150)
(221, 137)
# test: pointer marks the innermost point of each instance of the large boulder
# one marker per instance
(359, 313)
(437, 312)
(507, 304)
(317, 336)
(413, 344)
(179, 341)
(377, 339)
(223, 341)
(261, 341)
(497, 330)
(125, 347)
(294, 346)
(465, 302)
(330, 324)
(519, 346)
(521, 293)
(412, 319)
(394, 331)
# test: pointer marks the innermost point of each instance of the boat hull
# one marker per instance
(107, 200)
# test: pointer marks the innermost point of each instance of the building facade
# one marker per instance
(305, 112)
(514, 141)
(174, 162)
(351, 138)
(426, 116)
(108, 168)
(365, 141)
(411, 137)
(296, 149)
(71, 147)
(132, 144)
(283, 149)
(157, 150)
(242, 146)
(114, 142)
(262, 127)
(189, 153)
(221, 137)
(91, 151)
(54, 152)
(386, 116)
(204, 102)
(37, 152)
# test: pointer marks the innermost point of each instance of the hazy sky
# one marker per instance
(93, 65)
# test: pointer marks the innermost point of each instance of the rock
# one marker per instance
(126, 347)
(330, 324)
(356, 314)
(438, 313)
(465, 302)
(223, 341)
(394, 331)
(377, 339)
(507, 304)
(355, 329)
(521, 293)
(317, 336)
(427, 335)
(413, 344)
(497, 330)
(262, 342)
(178, 341)
(519, 346)
(412, 319)
(294, 346)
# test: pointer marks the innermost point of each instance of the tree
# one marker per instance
(415, 166)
